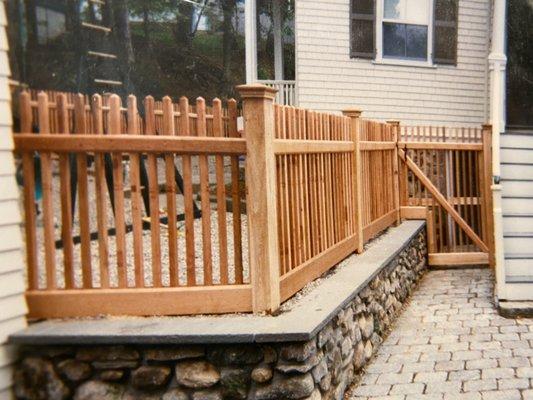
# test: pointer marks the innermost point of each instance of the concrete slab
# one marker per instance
(301, 322)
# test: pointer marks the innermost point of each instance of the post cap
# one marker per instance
(394, 122)
(352, 112)
(257, 91)
(486, 126)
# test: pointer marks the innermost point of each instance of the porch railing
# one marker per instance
(286, 95)
(174, 213)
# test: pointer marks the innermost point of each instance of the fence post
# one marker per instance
(395, 166)
(258, 113)
(354, 115)
(487, 191)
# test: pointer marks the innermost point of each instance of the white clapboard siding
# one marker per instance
(328, 79)
(12, 304)
(519, 265)
(517, 180)
(519, 223)
(518, 188)
(517, 205)
(517, 171)
(517, 243)
(516, 141)
(509, 155)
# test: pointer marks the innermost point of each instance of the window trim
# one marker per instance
(402, 61)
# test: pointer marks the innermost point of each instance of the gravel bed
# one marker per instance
(146, 236)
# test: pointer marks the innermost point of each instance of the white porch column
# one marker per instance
(497, 65)
(250, 30)
(278, 40)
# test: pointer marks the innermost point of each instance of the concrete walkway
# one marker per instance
(450, 343)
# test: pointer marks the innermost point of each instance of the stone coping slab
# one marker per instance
(301, 323)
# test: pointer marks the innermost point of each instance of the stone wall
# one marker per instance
(321, 368)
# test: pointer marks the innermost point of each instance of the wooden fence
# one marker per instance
(171, 236)
(447, 175)
(130, 250)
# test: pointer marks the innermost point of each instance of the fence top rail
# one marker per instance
(121, 143)
(441, 145)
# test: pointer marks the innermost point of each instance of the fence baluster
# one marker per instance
(83, 194)
(115, 128)
(100, 188)
(136, 201)
(218, 131)
(205, 196)
(47, 202)
(153, 194)
(235, 195)
(185, 130)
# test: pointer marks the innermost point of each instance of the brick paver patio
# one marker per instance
(450, 343)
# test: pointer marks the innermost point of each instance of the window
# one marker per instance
(50, 24)
(412, 31)
(405, 29)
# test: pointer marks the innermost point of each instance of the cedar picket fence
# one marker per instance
(318, 186)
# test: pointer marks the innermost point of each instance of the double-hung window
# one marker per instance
(405, 31)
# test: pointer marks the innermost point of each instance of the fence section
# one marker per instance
(134, 203)
(379, 172)
(332, 187)
(446, 178)
(143, 204)
(315, 193)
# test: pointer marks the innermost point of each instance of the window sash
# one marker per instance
(379, 35)
(406, 20)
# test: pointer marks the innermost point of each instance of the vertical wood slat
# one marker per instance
(114, 128)
(83, 194)
(235, 195)
(168, 129)
(136, 201)
(201, 130)
(47, 202)
(28, 171)
(100, 188)
(153, 194)
(279, 196)
(188, 195)
(218, 131)
(65, 196)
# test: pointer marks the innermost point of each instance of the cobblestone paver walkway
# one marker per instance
(450, 343)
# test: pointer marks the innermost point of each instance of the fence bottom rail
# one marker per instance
(140, 302)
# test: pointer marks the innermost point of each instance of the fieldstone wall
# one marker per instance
(321, 368)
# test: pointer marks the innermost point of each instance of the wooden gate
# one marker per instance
(445, 177)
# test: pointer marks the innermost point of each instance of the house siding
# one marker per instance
(12, 304)
(329, 80)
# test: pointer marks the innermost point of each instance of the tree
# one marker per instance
(228, 39)
(124, 44)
